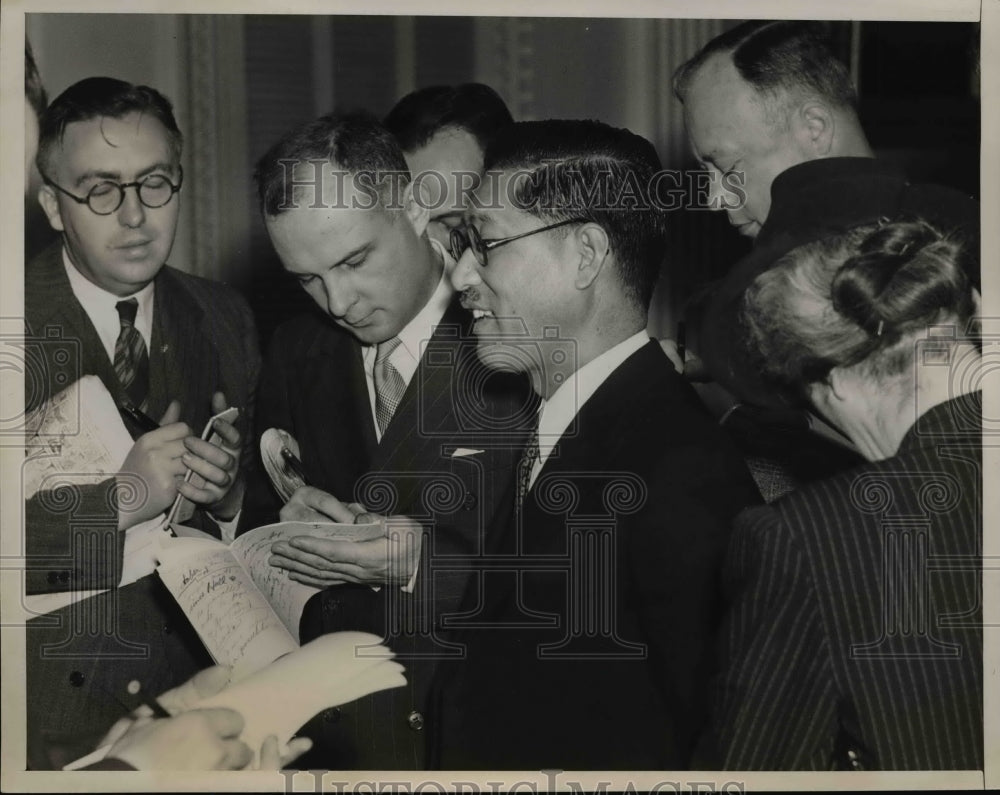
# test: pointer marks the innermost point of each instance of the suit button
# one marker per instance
(167, 629)
(63, 576)
(331, 715)
(77, 679)
(470, 501)
(415, 721)
(52, 577)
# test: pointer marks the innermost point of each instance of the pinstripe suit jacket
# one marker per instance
(854, 637)
(80, 659)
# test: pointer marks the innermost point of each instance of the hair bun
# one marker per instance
(906, 276)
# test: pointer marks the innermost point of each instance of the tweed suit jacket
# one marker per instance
(81, 658)
(314, 386)
(588, 629)
(854, 638)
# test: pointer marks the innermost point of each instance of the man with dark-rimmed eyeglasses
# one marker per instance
(583, 639)
(171, 349)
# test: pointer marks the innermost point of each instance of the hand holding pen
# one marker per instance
(149, 475)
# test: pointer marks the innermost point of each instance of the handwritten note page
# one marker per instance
(77, 432)
(287, 597)
(232, 617)
(334, 669)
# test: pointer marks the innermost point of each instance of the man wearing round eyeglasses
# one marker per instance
(171, 349)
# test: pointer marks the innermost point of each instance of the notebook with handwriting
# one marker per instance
(245, 610)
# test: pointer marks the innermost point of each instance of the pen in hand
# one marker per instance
(294, 464)
(144, 422)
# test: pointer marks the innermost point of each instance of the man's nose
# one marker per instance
(718, 193)
(466, 272)
(132, 211)
(339, 295)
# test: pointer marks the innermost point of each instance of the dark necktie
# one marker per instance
(389, 385)
(526, 464)
(131, 358)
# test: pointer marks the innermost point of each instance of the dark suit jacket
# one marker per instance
(856, 616)
(313, 385)
(81, 658)
(588, 629)
(809, 201)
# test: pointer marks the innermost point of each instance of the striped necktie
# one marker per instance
(389, 385)
(526, 464)
(131, 358)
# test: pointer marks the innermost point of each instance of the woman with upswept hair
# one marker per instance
(854, 638)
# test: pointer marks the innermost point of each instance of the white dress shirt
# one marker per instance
(559, 410)
(99, 305)
(413, 337)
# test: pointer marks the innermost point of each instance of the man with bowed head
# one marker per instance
(560, 289)
(381, 388)
(771, 113)
(443, 131)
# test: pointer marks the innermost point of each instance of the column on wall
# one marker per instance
(217, 185)
(504, 59)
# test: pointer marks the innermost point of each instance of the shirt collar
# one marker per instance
(558, 411)
(99, 304)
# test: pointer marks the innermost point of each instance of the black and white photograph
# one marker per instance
(526, 397)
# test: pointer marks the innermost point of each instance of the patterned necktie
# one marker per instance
(526, 464)
(131, 358)
(389, 385)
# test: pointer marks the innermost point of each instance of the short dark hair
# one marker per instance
(421, 114)
(782, 58)
(34, 90)
(856, 298)
(353, 141)
(591, 170)
(95, 97)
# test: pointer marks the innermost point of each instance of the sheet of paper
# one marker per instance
(287, 597)
(79, 433)
(334, 669)
(232, 617)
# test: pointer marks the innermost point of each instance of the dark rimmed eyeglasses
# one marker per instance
(464, 237)
(106, 197)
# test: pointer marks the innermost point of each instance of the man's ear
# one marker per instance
(416, 207)
(815, 128)
(50, 204)
(595, 249)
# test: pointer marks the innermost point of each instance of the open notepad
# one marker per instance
(245, 610)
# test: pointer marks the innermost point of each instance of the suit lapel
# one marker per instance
(337, 414)
(412, 440)
(180, 364)
(50, 303)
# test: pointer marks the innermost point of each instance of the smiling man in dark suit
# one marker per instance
(390, 408)
(586, 631)
(103, 302)
(588, 634)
